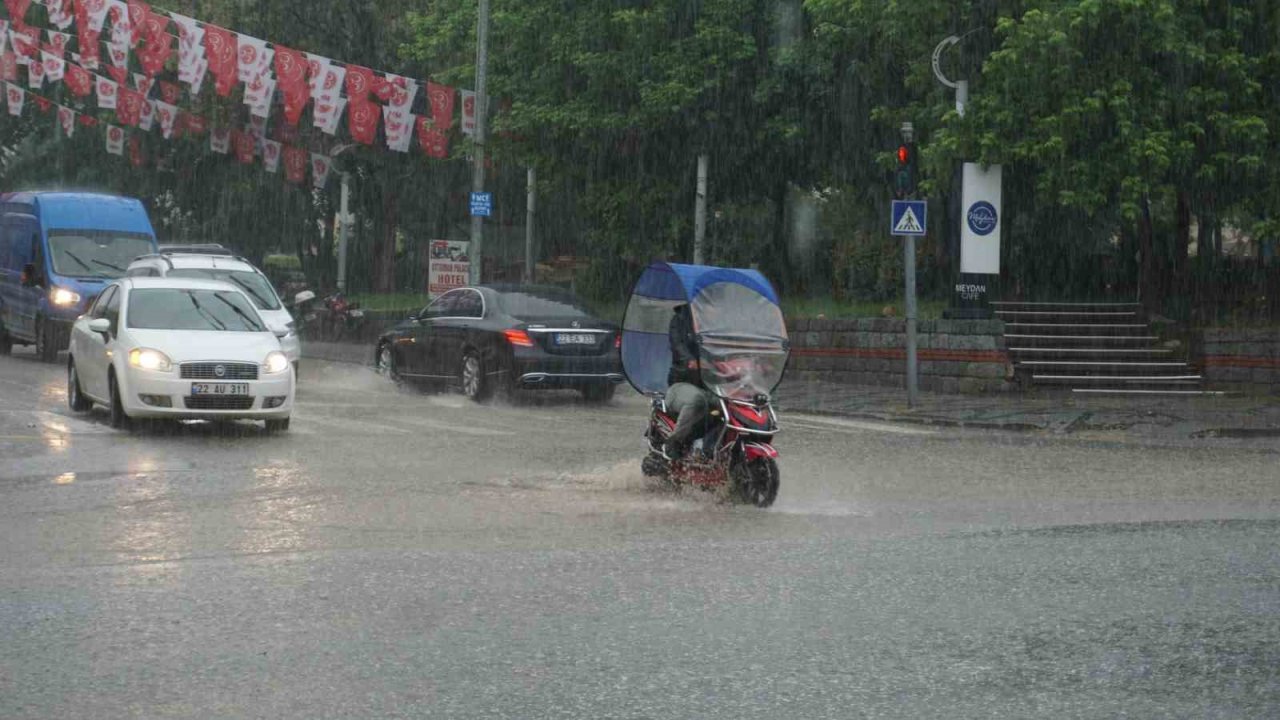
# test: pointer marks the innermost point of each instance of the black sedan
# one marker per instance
(505, 336)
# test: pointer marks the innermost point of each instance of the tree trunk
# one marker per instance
(1149, 267)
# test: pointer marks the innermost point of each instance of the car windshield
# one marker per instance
(253, 284)
(187, 309)
(543, 303)
(96, 253)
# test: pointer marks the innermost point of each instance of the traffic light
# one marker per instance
(904, 184)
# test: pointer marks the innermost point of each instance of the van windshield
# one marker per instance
(96, 253)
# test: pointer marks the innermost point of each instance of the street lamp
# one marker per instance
(960, 86)
(344, 218)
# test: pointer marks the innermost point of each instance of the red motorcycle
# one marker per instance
(742, 354)
(735, 450)
(342, 318)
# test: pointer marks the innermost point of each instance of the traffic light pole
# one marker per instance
(909, 274)
(913, 365)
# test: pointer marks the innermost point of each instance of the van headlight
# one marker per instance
(276, 362)
(63, 297)
(148, 359)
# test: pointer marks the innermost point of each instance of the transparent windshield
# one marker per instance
(96, 253)
(179, 309)
(743, 340)
(253, 284)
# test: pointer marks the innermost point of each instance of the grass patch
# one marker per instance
(405, 302)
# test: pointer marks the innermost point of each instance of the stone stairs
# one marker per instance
(1092, 347)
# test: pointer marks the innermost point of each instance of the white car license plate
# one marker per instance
(575, 339)
(219, 388)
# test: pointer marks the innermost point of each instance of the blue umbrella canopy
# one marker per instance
(735, 313)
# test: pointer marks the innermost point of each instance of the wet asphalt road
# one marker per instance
(401, 554)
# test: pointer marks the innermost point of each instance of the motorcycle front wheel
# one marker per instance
(756, 482)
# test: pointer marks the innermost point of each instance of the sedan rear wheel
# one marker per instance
(475, 384)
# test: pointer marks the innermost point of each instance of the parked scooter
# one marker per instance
(343, 319)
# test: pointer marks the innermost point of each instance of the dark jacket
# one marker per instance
(684, 347)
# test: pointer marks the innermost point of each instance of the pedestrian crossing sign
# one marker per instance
(909, 217)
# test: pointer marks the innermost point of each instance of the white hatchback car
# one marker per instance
(178, 348)
(213, 262)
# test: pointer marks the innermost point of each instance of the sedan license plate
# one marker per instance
(575, 339)
(219, 388)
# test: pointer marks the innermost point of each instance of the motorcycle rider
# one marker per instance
(686, 398)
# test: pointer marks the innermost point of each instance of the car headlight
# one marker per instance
(148, 359)
(276, 362)
(63, 297)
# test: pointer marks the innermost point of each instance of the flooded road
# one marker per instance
(407, 554)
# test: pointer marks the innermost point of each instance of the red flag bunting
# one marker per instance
(129, 106)
(222, 52)
(244, 145)
(43, 104)
(169, 92)
(433, 140)
(360, 81)
(18, 12)
(295, 164)
(441, 97)
(119, 74)
(79, 80)
(362, 120)
(9, 67)
(136, 156)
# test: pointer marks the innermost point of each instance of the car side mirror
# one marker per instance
(100, 325)
(281, 333)
(303, 296)
(29, 278)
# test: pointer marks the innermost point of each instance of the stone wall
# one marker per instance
(1242, 360)
(956, 356)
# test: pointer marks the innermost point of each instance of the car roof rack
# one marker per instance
(197, 249)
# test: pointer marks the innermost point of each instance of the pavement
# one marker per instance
(409, 554)
(1154, 416)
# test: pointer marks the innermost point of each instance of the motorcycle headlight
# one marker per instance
(276, 362)
(63, 297)
(148, 359)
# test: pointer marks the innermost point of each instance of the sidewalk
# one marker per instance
(1059, 413)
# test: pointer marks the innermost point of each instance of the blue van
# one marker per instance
(57, 251)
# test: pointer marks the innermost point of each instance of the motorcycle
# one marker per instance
(743, 350)
(342, 317)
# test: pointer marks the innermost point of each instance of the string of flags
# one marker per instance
(369, 101)
(245, 145)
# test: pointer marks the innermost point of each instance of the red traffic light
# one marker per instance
(904, 154)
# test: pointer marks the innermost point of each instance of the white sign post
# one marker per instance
(981, 214)
(449, 268)
(980, 226)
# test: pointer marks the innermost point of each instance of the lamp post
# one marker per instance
(344, 219)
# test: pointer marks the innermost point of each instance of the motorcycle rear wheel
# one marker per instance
(756, 482)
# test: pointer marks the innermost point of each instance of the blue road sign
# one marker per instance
(909, 217)
(481, 204)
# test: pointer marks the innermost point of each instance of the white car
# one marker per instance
(178, 348)
(213, 262)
